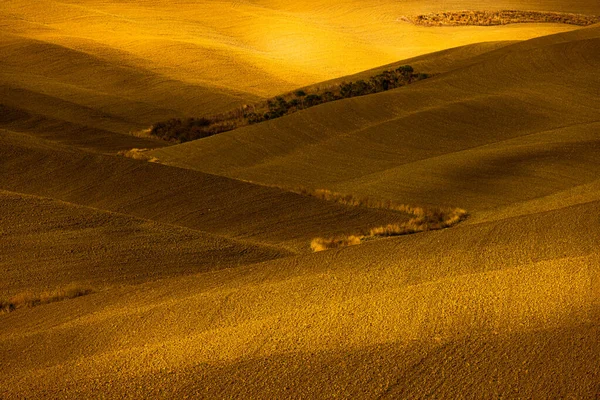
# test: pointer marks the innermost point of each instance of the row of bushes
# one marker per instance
(179, 131)
(503, 17)
(387, 80)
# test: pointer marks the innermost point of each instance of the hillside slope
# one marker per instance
(185, 198)
(264, 47)
(519, 123)
(82, 99)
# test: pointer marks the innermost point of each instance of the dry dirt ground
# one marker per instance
(204, 282)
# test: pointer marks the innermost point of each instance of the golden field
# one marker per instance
(139, 60)
(193, 275)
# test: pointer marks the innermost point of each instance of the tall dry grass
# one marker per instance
(33, 299)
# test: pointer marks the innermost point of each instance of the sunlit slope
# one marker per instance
(413, 316)
(517, 124)
(48, 244)
(262, 47)
(176, 196)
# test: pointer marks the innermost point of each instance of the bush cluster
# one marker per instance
(180, 131)
(387, 80)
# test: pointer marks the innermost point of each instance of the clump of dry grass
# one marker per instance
(320, 244)
(138, 154)
(142, 133)
(423, 219)
(428, 221)
(32, 299)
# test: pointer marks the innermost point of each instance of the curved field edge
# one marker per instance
(209, 203)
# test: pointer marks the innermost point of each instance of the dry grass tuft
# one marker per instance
(138, 154)
(423, 219)
(31, 299)
(320, 244)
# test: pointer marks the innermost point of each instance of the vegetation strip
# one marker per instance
(423, 219)
(503, 17)
(179, 131)
(31, 299)
(431, 220)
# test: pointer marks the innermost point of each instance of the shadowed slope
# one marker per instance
(434, 141)
(47, 243)
(65, 132)
(125, 92)
(551, 363)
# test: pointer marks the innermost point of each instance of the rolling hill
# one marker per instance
(204, 285)
(67, 244)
